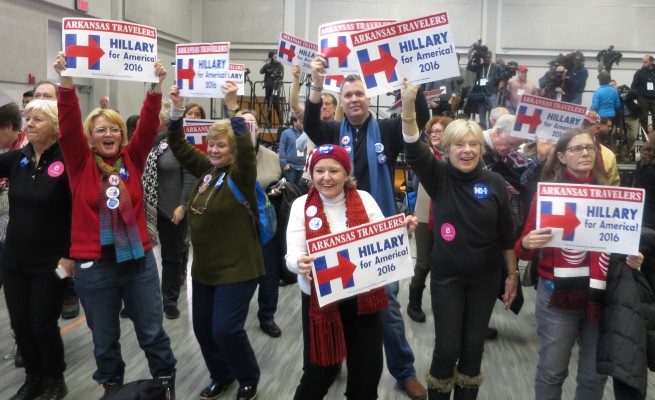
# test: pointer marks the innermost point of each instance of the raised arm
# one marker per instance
(72, 140)
(318, 131)
(294, 101)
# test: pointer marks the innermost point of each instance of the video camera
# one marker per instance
(507, 71)
(606, 58)
(480, 50)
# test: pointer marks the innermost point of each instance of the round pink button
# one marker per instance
(55, 169)
(447, 232)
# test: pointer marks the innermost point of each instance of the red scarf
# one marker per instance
(327, 341)
(574, 289)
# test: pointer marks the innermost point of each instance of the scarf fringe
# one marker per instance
(568, 300)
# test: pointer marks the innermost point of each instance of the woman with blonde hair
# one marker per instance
(39, 213)
(227, 256)
(114, 259)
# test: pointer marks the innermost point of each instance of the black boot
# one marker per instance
(30, 389)
(53, 389)
(439, 389)
(414, 307)
(466, 387)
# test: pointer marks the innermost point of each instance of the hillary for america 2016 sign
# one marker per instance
(335, 44)
(421, 50)
(202, 68)
(545, 118)
(97, 48)
(591, 217)
(359, 259)
(195, 131)
(295, 51)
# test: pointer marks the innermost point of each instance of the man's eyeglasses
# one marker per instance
(578, 149)
(103, 130)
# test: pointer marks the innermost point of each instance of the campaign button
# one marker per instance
(315, 224)
(311, 211)
(112, 204)
(56, 169)
(112, 192)
(114, 180)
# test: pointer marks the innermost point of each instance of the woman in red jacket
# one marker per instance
(110, 242)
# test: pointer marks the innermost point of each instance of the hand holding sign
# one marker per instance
(537, 238)
(318, 69)
(60, 66)
(160, 73)
(229, 89)
(305, 264)
(176, 98)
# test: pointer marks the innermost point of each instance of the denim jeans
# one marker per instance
(558, 330)
(400, 357)
(103, 287)
(219, 314)
(269, 283)
(293, 175)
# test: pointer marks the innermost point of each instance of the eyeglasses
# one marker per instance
(578, 149)
(103, 130)
(436, 131)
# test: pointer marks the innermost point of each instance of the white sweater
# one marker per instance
(335, 211)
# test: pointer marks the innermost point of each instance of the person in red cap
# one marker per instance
(517, 87)
(349, 329)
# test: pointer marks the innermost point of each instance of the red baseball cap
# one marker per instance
(523, 68)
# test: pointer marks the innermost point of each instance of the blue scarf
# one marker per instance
(379, 172)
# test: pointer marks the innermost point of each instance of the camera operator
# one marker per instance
(483, 93)
(273, 73)
(557, 86)
(642, 83)
(628, 116)
(578, 74)
(517, 87)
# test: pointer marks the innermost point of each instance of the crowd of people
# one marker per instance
(122, 187)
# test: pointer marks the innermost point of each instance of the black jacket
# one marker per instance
(626, 346)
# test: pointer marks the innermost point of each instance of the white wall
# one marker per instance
(529, 32)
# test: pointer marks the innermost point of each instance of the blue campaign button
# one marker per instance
(480, 190)
(379, 147)
(325, 149)
(382, 158)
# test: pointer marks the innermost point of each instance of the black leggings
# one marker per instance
(34, 304)
(462, 308)
(363, 334)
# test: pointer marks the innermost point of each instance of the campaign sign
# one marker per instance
(104, 49)
(545, 118)
(421, 50)
(237, 73)
(295, 51)
(201, 68)
(335, 44)
(360, 259)
(196, 130)
(591, 217)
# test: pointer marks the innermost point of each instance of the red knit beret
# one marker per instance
(329, 151)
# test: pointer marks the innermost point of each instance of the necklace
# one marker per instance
(202, 188)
